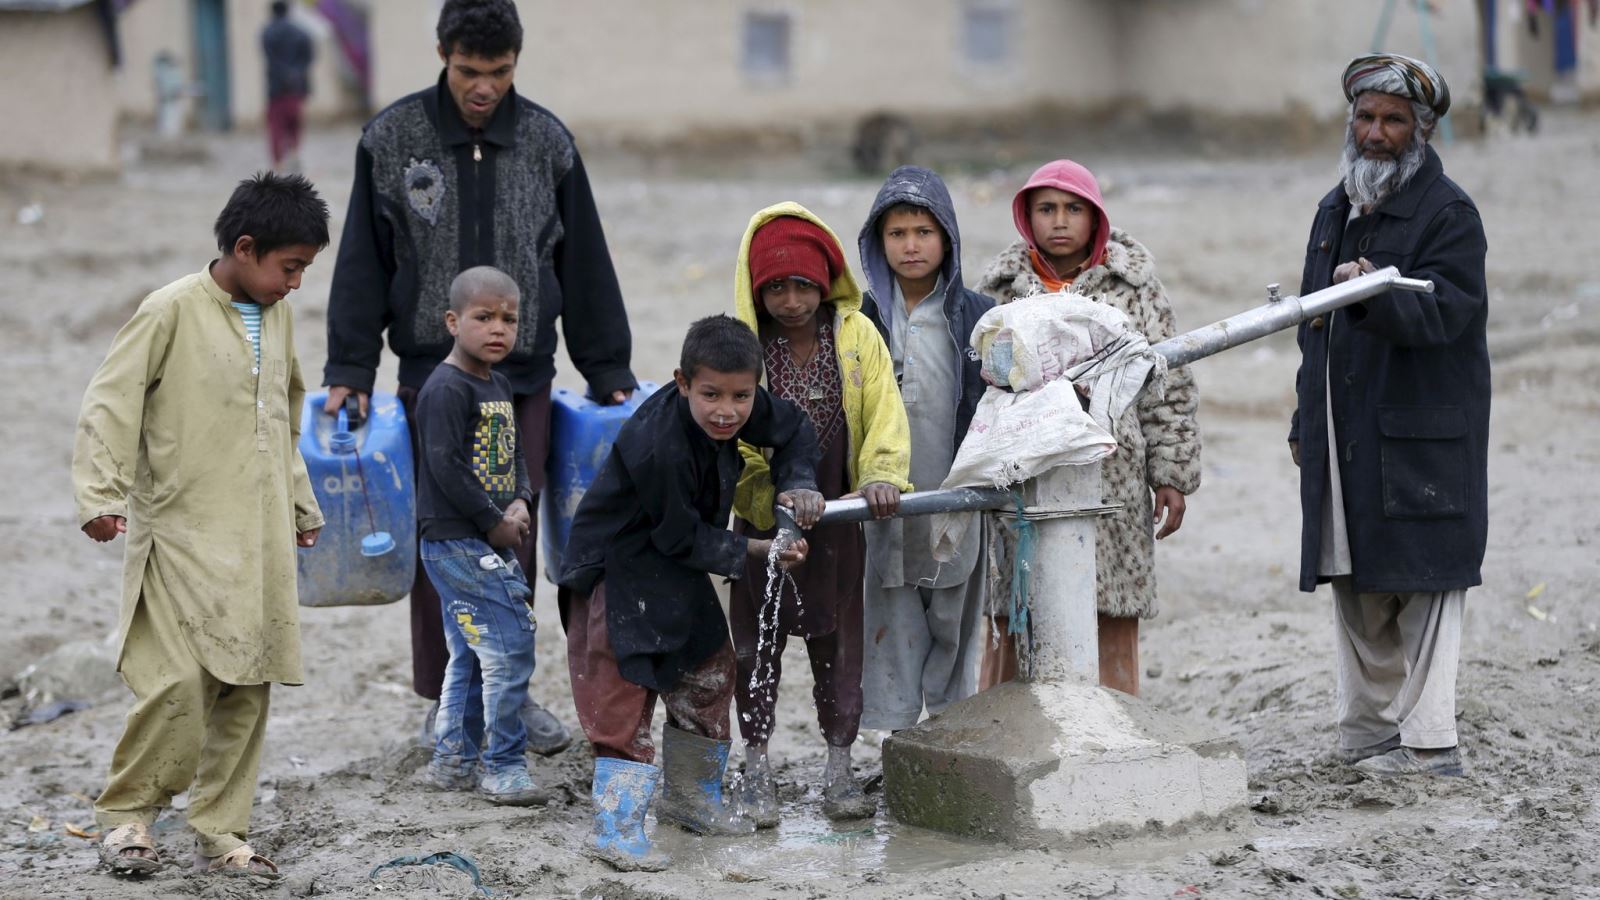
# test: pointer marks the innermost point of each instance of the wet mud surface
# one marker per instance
(1236, 650)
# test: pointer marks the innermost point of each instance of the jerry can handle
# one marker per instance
(352, 410)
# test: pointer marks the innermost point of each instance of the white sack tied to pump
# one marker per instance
(1038, 353)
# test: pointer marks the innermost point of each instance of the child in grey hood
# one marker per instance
(922, 618)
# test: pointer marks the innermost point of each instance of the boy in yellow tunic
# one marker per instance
(186, 442)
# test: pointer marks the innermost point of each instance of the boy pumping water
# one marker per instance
(645, 623)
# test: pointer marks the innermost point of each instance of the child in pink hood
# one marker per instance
(1068, 243)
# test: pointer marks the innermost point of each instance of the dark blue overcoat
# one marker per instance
(1410, 386)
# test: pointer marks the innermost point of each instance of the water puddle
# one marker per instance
(806, 846)
(1354, 827)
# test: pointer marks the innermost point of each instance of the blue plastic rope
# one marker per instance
(459, 861)
(1021, 569)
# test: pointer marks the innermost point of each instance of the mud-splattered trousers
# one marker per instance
(489, 628)
(615, 713)
(836, 658)
(187, 731)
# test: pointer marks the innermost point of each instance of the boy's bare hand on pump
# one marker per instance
(883, 498)
(105, 528)
(307, 538)
(805, 505)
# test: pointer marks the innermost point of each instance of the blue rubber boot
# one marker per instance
(622, 792)
(692, 785)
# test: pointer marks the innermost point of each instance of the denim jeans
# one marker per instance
(488, 626)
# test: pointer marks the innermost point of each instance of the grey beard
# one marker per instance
(1368, 182)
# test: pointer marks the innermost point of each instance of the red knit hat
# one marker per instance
(791, 247)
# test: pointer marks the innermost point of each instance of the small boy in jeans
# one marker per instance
(472, 505)
(187, 444)
(645, 622)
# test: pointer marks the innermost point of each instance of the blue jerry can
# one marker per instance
(581, 434)
(365, 483)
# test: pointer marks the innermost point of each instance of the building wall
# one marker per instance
(656, 70)
(1269, 57)
(647, 69)
(59, 98)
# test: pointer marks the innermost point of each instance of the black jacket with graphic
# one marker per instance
(654, 526)
(432, 198)
(469, 468)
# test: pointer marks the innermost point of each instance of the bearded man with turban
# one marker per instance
(1391, 430)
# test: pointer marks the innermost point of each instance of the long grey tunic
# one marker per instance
(928, 368)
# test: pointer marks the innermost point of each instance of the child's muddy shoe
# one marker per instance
(844, 799)
(758, 798)
(511, 787)
(442, 776)
(624, 860)
(842, 795)
(546, 735)
(691, 788)
(622, 793)
(240, 862)
(129, 850)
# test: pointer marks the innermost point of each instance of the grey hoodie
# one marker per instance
(962, 307)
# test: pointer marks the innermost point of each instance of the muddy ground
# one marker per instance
(1236, 648)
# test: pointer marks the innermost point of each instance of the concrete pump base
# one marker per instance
(1036, 764)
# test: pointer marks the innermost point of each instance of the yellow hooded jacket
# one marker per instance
(875, 419)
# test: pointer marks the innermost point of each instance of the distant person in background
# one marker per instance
(1391, 432)
(172, 94)
(289, 52)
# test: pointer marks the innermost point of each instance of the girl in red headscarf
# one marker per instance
(1067, 242)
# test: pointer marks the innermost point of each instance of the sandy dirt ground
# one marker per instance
(1237, 648)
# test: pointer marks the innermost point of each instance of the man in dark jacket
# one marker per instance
(289, 53)
(922, 617)
(1391, 431)
(469, 173)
